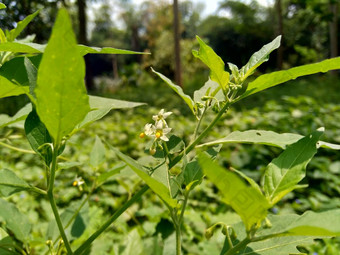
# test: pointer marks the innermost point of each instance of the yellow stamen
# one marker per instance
(142, 135)
(158, 134)
(75, 183)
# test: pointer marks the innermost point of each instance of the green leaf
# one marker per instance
(38, 136)
(3, 38)
(286, 171)
(68, 165)
(62, 101)
(100, 106)
(160, 189)
(14, 221)
(10, 183)
(321, 224)
(97, 155)
(266, 138)
(247, 201)
(133, 243)
(2, 6)
(8, 89)
(7, 245)
(178, 90)
(32, 73)
(272, 79)
(216, 65)
(22, 47)
(21, 25)
(6, 120)
(175, 144)
(106, 50)
(259, 57)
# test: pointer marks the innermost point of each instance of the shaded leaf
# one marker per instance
(32, 73)
(214, 62)
(62, 101)
(160, 189)
(247, 201)
(2, 6)
(286, 171)
(10, 183)
(37, 135)
(210, 88)
(272, 79)
(14, 221)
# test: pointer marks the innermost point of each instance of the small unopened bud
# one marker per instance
(152, 151)
(209, 233)
(175, 171)
(49, 242)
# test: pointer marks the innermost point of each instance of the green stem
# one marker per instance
(178, 240)
(238, 247)
(199, 122)
(120, 211)
(16, 149)
(53, 203)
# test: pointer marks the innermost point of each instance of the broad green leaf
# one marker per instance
(38, 136)
(3, 38)
(62, 101)
(7, 245)
(106, 50)
(175, 144)
(6, 120)
(259, 57)
(247, 201)
(286, 171)
(2, 6)
(10, 183)
(14, 221)
(21, 26)
(160, 189)
(267, 138)
(187, 99)
(319, 224)
(21, 47)
(216, 65)
(97, 155)
(100, 106)
(272, 79)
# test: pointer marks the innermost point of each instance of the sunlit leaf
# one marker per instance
(216, 65)
(246, 200)
(97, 155)
(21, 25)
(6, 120)
(286, 171)
(62, 101)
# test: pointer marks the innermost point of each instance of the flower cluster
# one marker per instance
(158, 131)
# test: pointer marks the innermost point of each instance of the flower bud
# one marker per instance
(152, 151)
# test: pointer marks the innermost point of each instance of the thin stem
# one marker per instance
(180, 219)
(16, 149)
(238, 247)
(178, 240)
(37, 190)
(53, 203)
(199, 122)
(121, 210)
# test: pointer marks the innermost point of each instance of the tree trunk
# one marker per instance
(82, 39)
(279, 31)
(178, 76)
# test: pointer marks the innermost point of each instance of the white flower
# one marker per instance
(161, 115)
(161, 131)
(78, 181)
(149, 129)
